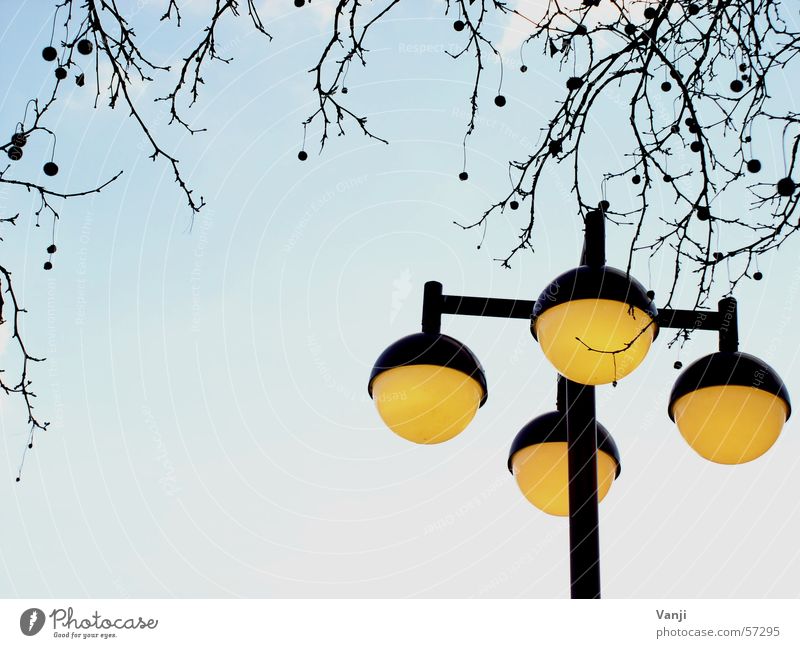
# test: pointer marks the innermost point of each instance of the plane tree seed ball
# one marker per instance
(574, 83)
(754, 166)
(786, 186)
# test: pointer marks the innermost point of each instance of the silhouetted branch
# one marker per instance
(713, 61)
(100, 31)
(346, 40)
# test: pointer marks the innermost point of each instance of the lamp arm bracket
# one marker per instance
(435, 304)
(724, 320)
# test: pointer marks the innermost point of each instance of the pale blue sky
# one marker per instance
(212, 433)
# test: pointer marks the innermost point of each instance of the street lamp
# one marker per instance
(427, 387)
(538, 459)
(730, 407)
(595, 325)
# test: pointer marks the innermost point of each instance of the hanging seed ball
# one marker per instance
(463, 175)
(49, 53)
(48, 265)
(85, 46)
(17, 479)
(754, 166)
(703, 213)
(786, 186)
(603, 205)
(554, 147)
(302, 156)
(689, 122)
(742, 67)
(299, 3)
(696, 146)
(51, 249)
(667, 177)
(581, 30)
(513, 204)
(651, 294)
(19, 139)
(666, 86)
(650, 13)
(718, 256)
(630, 29)
(30, 445)
(499, 101)
(745, 77)
(758, 276)
(344, 90)
(459, 25)
(574, 83)
(50, 168)
(80, 80)
(14, 153)
(748, 139)
(523, 68)
(693, 9)
(61, 73)
(636, 179)
(675, 129)
(737, 86)
(678, 364)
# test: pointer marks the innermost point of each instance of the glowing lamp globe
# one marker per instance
(595, 324)
(427, 387)
(538, 461)
(730, 407)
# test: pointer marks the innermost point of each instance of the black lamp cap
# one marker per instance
(729, 368)
(552, 428)
(594, 282)
(430, 349)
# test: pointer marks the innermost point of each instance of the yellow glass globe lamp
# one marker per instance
(538, 461)
(730, 407)
(427, 387)
(594, 324)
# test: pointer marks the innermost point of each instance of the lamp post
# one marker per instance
(595, 324)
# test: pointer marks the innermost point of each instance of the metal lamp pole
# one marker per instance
(576, 400)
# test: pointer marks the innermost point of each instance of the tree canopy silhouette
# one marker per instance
(718, 62)
(707, 77)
